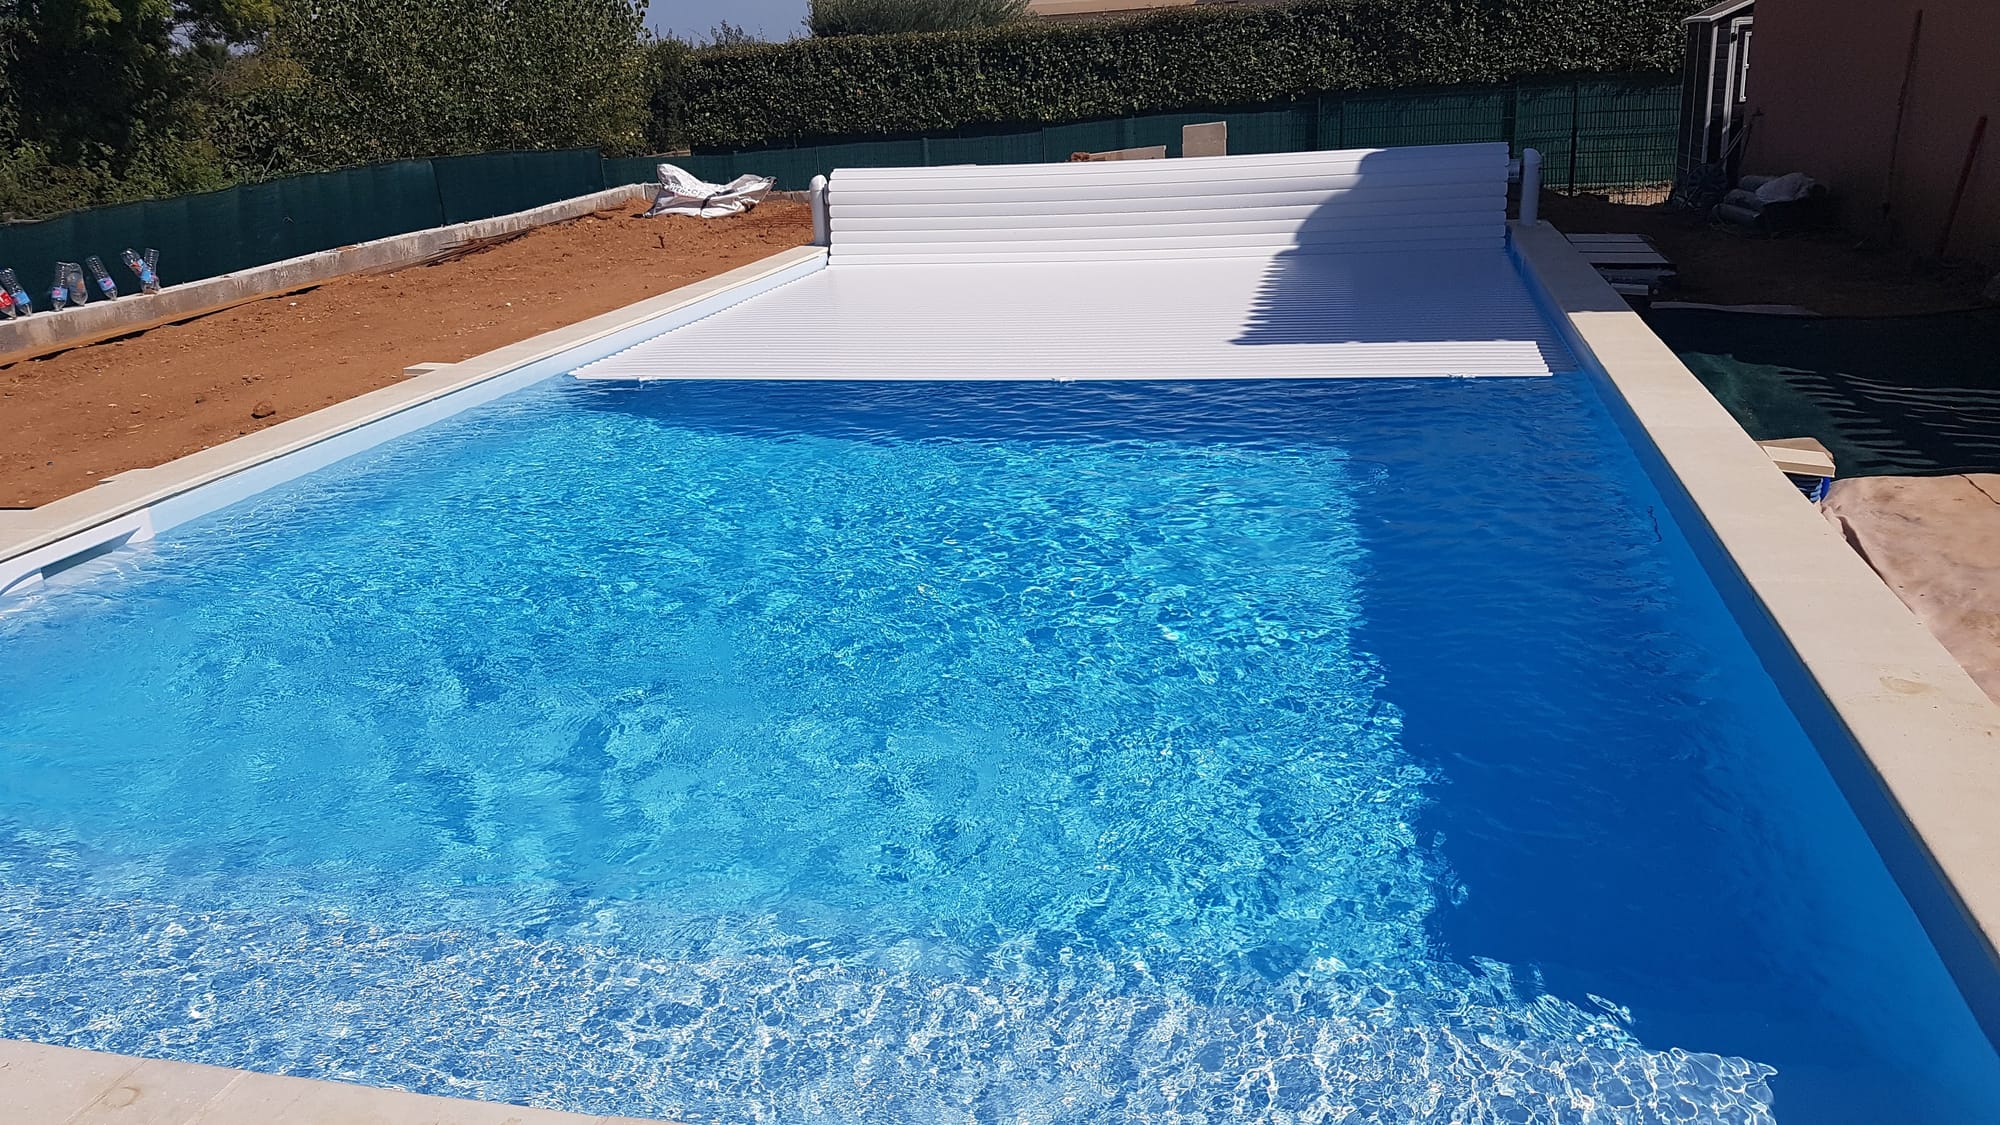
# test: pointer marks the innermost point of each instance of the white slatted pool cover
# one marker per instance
(1376, 263)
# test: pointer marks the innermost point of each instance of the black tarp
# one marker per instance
(1889, 396)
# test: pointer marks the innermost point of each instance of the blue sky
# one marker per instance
(690, 19)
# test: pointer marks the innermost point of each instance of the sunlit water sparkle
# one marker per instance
(1163, 753)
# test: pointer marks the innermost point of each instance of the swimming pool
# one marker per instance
(1225, 751)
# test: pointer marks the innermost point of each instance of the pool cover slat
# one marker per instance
(1310, 316)
(1368, 263)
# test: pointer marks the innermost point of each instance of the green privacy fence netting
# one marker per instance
(254, 224)
(1596, 134)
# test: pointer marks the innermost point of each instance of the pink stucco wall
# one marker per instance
(1824, 78)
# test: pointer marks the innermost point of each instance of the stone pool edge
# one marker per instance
(132, 506)
(65, 1086)
(48, 1085)
(1927, 736)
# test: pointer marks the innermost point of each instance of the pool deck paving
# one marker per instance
(26, 536)
(44, 1085)
(1928, 734)
(1936, 542)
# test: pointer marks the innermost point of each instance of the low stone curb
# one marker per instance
(45, 332)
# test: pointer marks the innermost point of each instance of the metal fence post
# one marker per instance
(1575, 129)
(1531, 187)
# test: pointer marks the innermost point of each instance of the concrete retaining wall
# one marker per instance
(46, 332)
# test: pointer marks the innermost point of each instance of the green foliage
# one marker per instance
(726, 34)
(351, 81)
(895, 17)
(83, 75)
(110, 100)
(1186, 58)
(102, 98)
(663, 69)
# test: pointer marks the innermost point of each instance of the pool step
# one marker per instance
(26, 571)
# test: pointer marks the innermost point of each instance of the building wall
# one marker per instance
(1824, 77)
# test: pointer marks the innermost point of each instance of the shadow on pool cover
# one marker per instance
(1324, 292)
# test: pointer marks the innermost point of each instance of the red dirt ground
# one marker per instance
(76, 417)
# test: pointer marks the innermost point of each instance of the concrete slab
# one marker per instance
(152, 1093)
(1149, 152)
(1207, 139)
(1800, 456)
(51, 1084)
(262, 1099)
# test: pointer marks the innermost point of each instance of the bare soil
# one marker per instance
(1828, 272)
(71, 419)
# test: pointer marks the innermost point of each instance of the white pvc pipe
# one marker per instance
(1531, 186)
(822, 221)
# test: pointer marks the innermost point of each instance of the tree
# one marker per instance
(353, 81)
(889, 17)
(726, 34)
(94, 89)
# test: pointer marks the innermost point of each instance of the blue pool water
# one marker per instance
(1224, 752)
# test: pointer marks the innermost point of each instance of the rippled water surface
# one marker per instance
(1288, 752)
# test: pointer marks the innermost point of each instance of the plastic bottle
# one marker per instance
(103, 276)
(59, 289)
(79, 290)
(142, 268)
(7, 304)
(22, 306)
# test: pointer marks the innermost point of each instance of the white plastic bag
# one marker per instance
(682, 194)
(1785, 189)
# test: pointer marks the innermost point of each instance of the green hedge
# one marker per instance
(1187, 58)
(137, 101)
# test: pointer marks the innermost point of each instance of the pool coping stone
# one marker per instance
(1928, 733)
(44, 1085)
(49, 1085)
(44, 532)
